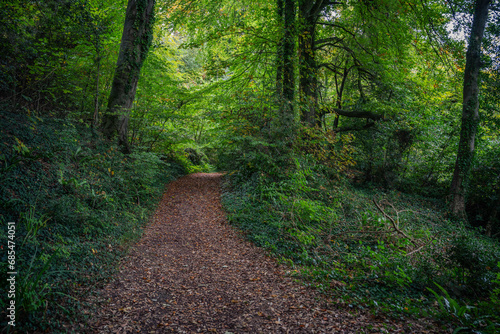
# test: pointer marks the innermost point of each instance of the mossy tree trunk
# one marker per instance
(470, 109)
(279, 50)
(285, 69)
(310, 11)
(308, 14)
(136, 40)
(288, 62)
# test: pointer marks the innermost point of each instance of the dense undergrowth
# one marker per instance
(76, 203)
(366, 245)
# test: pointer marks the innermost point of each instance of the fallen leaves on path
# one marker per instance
(192, 273)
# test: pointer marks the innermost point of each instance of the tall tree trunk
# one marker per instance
(340, 91)
(288, 63)
(279, 51)
(309, 13)
(95, 118)
(307, 63)
(493, 215)
(470, 109)
(136, 40)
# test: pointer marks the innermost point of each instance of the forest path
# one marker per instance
(192, 273)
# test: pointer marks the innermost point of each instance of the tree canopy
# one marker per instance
(328, 117)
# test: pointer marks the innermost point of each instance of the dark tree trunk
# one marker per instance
(309, 13)
(136, 40)
(307, 64)
(288, 62)
(470, 109)
(95, 118)
(340, 91)
(279, 51)
(493, 215)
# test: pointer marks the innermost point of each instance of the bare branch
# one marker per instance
(358, 114)
(420, 248)
(394, 223)
(353, 128)
(337, 26)
(331, 67)
(328, 40)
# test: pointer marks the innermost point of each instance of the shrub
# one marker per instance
(77, 203)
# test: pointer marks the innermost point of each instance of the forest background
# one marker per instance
(360, 141)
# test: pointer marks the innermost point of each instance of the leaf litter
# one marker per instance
(192, 272)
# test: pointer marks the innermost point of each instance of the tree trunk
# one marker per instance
(288, 63)
(309, 13)
(493, 215)
(279, 51)
(307, 65)
(95, 118)
(136, 40)
(470, 109)
(340, 91)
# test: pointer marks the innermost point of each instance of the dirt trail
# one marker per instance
(192, 273)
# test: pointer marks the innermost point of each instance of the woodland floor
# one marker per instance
(193, 273)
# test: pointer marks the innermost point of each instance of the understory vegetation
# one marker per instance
(370, 247)
(360, 142)
(77, 204)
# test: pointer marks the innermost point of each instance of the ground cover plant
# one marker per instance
(77, 204)
(360, 142)
(371, 247)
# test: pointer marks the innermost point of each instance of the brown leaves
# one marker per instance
(191, 273)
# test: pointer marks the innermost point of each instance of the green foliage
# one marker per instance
(475, 261)
(32, 223)
(495, 293)
(77, 207)
(51, 48)
(468, 317)
(335, 238)
(484, 186)
(332, 150)
(34, 292)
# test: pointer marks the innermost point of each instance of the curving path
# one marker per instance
(192, 273)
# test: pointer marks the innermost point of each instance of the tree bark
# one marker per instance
(470, 109)
(95, 118)
(279, 51)
(135, 43)
(340, 91)
(307, 64)
(357, 114)
(288, 63)
(309, 13)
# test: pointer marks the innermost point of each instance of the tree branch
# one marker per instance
(337, 26)
(329, 39)
(393, 222)
(358, 114)
(353, 128)
(331, 67)
(420, 248)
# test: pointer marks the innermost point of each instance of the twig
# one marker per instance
(394, 225)
(371, 232)
(419, 248)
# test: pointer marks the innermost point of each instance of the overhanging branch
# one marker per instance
(332, 67)
(357, 114)
(330, 40)
(354, 128)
